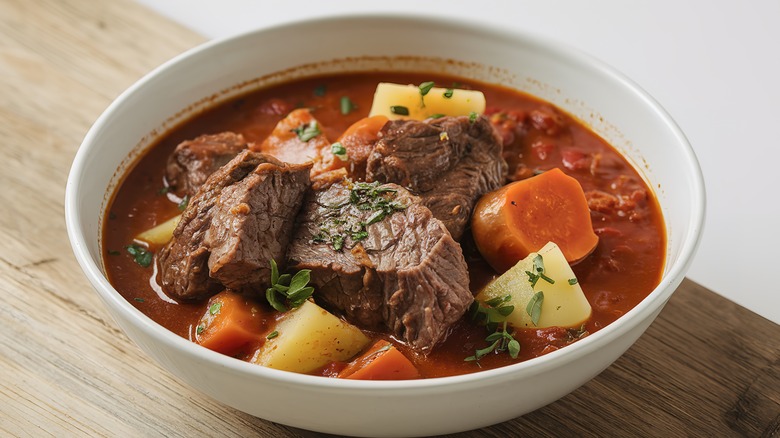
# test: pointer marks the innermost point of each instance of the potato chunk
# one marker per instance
(564, 303)
(308, 338)
(160, 234)
(397, 101)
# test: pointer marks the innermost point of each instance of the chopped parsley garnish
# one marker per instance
(111, 215)
(425, 88)
(272, 335)
(346, 221)
(307, 131)
(534, 277)
(164, 190)
(320, 90)
(214, 308)
(114, 252)
(436, 116)
(534, 307)
(572, 281)
(140, 300)
(141, 255)
(473, 117)
(199, 329)
(448, 93)
(399, 110)
(347, 106)
(288, 291)
(185, 201)
(492, 314)
(339, 151)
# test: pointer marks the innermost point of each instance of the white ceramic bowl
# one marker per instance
(604, 99)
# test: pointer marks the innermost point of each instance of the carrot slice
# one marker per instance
(358, 141)
(520, 218)
(231, 324)
(381, 362)
(298, 138)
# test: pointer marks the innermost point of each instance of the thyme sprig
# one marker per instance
(492, 314)
(288, 291)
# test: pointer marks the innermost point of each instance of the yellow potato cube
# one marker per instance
(308, 338)
(407, 102)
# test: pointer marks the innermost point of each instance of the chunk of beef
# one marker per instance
(194, 160)
(449, 162)
(379, 256)
(239, 219)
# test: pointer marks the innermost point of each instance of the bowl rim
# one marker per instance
(653, 302)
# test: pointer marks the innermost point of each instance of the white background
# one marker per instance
(714, 65)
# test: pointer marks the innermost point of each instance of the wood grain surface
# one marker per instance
(706, 367)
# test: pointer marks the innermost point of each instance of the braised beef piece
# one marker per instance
(237, 221)
(194, 160)
(378, 255)
(449, 162)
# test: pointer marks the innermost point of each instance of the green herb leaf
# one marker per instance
(473, 117)
(185, 201)
(399, 110)
(572, 281)
(274, 272)
(436, 116)
(425, 87)
(199, 329)
(514, 348)
(448, 93)
(164, 190)
(272, 335)
(140, 300)
(534, 307)
(347, 106)
(320, 90)
(307, 131)
(114, 252)
(214, 308)
(141, 255)
(339, 151)
(288, 289)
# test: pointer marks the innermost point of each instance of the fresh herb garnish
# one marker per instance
(342, 222)
(199, 329)
(140, 300)
(320, 90)
(448, 93)
(425, 88)
(272, 335)
(473, 117)
(286, 291)
(307, 131)
(436, 116)
(164, 190)
(215, 308)
(492, 314)
(347, 106)
(339, 151)
(141, 255)
(185, 201)
(572, 281)
(114, 252)
(534, 307)
(399, 110)
(534, 277)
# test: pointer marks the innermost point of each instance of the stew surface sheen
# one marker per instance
(625, 267)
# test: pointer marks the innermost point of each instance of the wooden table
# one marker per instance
(706, 367)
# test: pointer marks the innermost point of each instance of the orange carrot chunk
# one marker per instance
(231, 324)
(381, 362)
(298, 138)
(520, 218)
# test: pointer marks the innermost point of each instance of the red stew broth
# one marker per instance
(625, 267)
